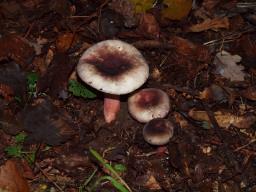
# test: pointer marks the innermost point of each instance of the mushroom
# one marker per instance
(148, 104)
(115, 68)
(158, 131)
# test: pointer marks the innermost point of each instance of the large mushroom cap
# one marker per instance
(148, 104)
(113, 67)
(158, 131)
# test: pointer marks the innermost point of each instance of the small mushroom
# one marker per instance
(148, 104)
(115, 68)
(158, 131)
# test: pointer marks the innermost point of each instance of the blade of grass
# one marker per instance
(112, 171)
(87, 181)
(113, 181)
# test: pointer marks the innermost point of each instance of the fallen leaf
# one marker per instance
(191, 50)
(56, 77)
(62, 7)
(209, 5)
(16, 48)
(225, 119)
(71, 162)
(45, 123)
(226, 65)
(249, 93)
(111, 23)
(183, 46)
(152, 184)
(214, 93)
(141, 6)
(149, 26)
(30, 4)
(10, 9)
(127, 10)
(246, 46)
(11, 179)
(64, 41)
(176, 9)
(6, 92)
(213, 24)
(188, 56)
(12, 81)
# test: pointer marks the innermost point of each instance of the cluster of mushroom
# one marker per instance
(116, 68)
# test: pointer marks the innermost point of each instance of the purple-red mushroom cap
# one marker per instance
(158, 131)
(113, 67)
(148, 104)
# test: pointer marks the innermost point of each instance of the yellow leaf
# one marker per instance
(176, 9)
(141, 6)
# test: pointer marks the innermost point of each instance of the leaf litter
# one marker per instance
(201, 53)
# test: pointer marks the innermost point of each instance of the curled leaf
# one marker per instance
(176, 9)
(225, 119)
(226, 65)
(141, 6)
(213, 24)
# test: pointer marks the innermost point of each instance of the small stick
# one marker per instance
(47, 177)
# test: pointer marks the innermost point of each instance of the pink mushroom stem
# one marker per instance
(111, 107)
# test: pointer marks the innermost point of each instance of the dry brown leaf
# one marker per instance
(176, 9)
(152, 183)
(46, 123)
(189, 49)
(55, 79)
(127, 10)
(183, 46)
(246, 46)
(227, 67)
(189, 57)
(149, 26)
(11, 179)
(16, 48)
(6, 91)
(249, 93)
(209, 5)
(225, 119)
(213, 93)
(213, 24)
(64, 41)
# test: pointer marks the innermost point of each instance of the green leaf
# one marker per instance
(20, 138)
(206, 125)
(112, 172)
(120, 168)
(14, 151)
(115, 183)
(30, 157)
(176, 9)
(32, 78)
(79, 90)
(141, 6)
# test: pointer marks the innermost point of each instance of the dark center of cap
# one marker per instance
(111, 64)
(149, 98)
(157, 126)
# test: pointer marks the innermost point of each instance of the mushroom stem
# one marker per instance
(111, 107)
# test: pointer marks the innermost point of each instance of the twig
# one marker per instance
(242, 147)
(246, 5)
(80, 16)
(230, 37)
(153, 44)
(47, 177)
(112, 172)
(229, 155)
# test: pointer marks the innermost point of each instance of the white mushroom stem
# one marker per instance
(111, 107)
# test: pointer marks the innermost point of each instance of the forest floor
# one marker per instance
(52, 128)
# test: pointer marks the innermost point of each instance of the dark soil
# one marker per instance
(204, 154)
